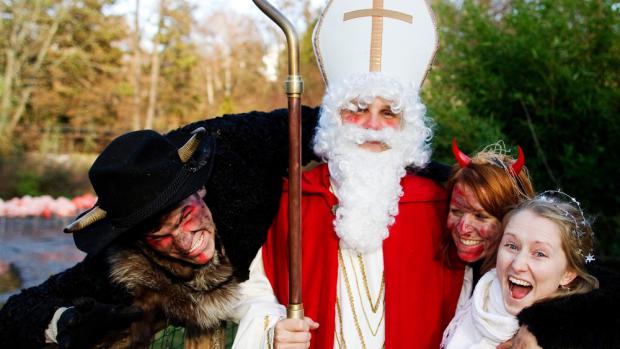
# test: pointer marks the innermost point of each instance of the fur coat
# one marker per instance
(171, 292)
(168, 292)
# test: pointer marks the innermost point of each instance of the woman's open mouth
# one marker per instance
(518, 288)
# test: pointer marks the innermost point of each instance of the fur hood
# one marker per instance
(196, 297)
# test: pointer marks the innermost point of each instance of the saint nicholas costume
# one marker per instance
(420, 293)
(396, 293)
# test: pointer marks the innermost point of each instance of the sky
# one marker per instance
(148, 20)
(148, 9)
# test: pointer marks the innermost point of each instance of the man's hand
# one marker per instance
(88, 321)
(293, 333)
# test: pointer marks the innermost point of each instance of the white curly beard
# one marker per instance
(367, 183)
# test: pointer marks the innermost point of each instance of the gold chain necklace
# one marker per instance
(373, 305)
(339, 313)
(350, 296)
(374, 333)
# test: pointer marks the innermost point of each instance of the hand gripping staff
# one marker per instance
(293, 86)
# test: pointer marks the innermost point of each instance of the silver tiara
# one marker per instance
(580, 223)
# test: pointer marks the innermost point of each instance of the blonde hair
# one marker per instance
(498, 190)
(575, 233)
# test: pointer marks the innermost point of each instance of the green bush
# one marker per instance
(27, 183)
(38, 174)
(544, 74)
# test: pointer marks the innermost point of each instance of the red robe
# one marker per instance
(420, 292)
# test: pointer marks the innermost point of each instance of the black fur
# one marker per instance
(26, 315)
(581, 321)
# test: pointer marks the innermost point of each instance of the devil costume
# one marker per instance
(248, 154)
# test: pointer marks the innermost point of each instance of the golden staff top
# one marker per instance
(293, 87)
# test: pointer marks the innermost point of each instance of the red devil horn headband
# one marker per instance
(461, 158)
(518, 165)
(465, 160)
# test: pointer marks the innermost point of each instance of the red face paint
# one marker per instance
(377, 116)
(475, 232)
(159, 243)
(350, 117)
(187, 232)
(189, 219)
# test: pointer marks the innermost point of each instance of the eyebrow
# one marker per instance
(543, 243)
(463, 203)
(182, 213)
(161, 231)
(536, 242)
(511, 234)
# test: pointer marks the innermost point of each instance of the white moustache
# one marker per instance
(360, 135)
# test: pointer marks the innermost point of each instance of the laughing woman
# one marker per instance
(483, 189)
(542, 255)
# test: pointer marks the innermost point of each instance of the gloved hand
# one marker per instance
(88, 321)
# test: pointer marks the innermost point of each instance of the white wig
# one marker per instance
(367, 183)
(363, 89)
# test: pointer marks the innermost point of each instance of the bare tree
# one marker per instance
(154, 79)
(233, 51)
(32, 28)
(137, 70)
(210, 82)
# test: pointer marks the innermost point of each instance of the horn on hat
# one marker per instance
(94, 215)
(461, 157)
(518, 165)
(188, 149)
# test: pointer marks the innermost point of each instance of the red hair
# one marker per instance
(494, 185)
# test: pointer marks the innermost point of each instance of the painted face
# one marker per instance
(531, 264)
(377, 116)
(475, 231)
(187, 232)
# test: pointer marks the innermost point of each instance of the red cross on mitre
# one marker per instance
(394, 37)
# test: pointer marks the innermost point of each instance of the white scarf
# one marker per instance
(483, 321)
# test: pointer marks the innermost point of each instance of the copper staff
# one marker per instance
(293, 86)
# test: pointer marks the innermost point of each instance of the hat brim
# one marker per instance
(97, 236)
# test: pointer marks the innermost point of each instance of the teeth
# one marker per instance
(519, 282)
(470, 242)
(197, 243)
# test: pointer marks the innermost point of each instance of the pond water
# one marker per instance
(37, 247)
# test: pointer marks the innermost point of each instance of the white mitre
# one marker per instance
(395, 37)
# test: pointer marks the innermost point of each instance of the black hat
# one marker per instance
(138, 176)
